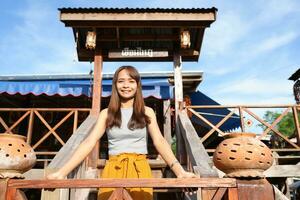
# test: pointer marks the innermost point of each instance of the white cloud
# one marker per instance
(221, 38)
(38, 41)
(275, 11)
(254, 86)
(274, 42)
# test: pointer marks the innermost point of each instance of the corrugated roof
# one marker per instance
(156, 74)
(157, 29)
(137, 10)
(191, 79)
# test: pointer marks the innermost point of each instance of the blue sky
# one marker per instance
(247, 55)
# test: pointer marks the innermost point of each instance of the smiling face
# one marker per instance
(126, 85)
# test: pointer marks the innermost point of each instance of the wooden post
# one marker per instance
(167, 121)
(180, 150)
(97, 86)
(178, 83)
(233, 194)
(296, 120)
(259, 189)
(30, 127)
(91, 160)
(75, 124)
(96, 103)
(11, 194)
(242, 119)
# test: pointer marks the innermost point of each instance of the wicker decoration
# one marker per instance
(241, 155)
(16, 156)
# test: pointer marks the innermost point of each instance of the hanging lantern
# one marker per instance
(90, 40)
(185, 39)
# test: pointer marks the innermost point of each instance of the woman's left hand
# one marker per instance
(186, 174)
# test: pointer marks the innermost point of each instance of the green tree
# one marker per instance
(286, 125)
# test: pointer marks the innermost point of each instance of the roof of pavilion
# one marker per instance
(138, 30)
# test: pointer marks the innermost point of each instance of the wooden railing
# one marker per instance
(63, 156)
(226, 187)
(241, 110)
(12, 118)
(197, 159)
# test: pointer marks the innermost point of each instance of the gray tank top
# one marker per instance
(124, 140)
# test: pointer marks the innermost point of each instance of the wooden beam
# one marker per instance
(118, 37)
(86, 55)
(126, 195)
(206, 121)
(219, 193)
(296, 122)
(180, 147)
(66, 151)
(137, 37)
(4, 125)
(198, 156)
(273, 150)
(269, 126)
(217, 126)
(51, 130)
(167, 121)
(136, 17)
(45, 109)
(30, 127)
(17, 122)
(178, 83)
(75, 124)
(73, 142)
(117, 194)
(34, 174)
(199, 39)
(242, 118)
(283, 171)
(244, 106)
(128, 182)
(276, 121)
(137, 24)
(187, 80)
(90, 162)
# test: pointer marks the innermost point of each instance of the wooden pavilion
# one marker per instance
(148, 35)
(135, 35)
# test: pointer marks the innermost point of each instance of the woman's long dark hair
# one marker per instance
(138, 119)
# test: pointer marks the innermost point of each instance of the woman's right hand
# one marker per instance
(55, 175)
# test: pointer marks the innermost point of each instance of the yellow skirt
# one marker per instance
(127, 165)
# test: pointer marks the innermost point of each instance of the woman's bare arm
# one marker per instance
(83, 149)
(164, 148)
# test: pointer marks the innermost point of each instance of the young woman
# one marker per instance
(126, 121)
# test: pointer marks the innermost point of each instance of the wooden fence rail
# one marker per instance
(245, 109)
(126, 183)
(120, 193)
(11, 118)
